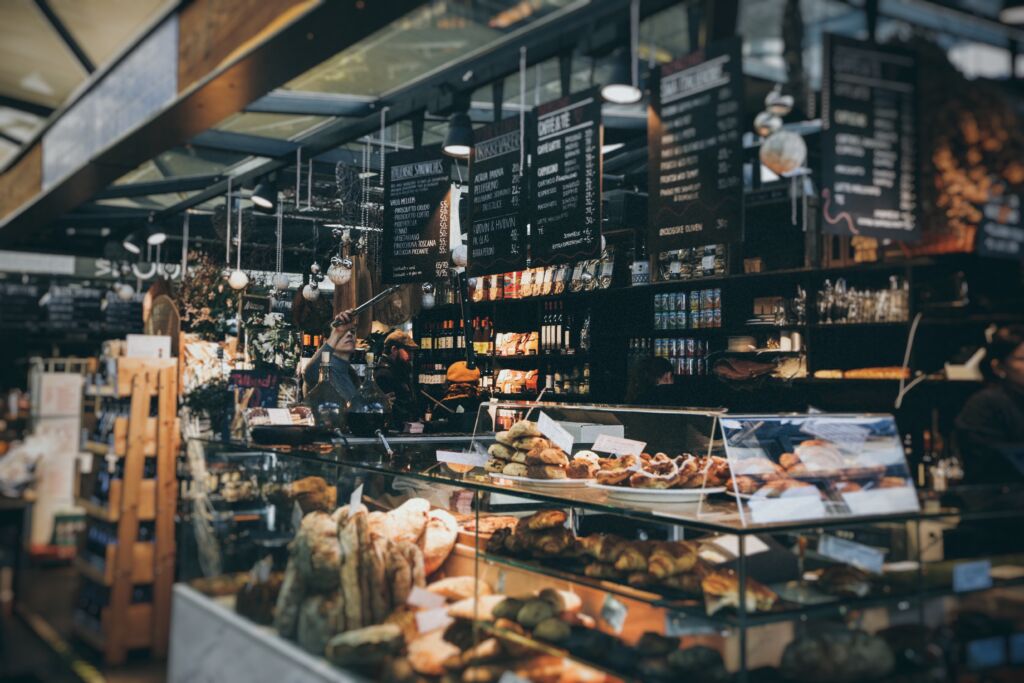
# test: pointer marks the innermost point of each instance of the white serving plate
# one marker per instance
(543, 483)
(654, 495)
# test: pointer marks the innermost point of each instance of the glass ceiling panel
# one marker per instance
(153, 201)
(35, 65)
(182, 162)
(278, 126)
(103, 27)
(416, 44)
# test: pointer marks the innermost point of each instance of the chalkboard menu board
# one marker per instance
(416, 216)
(497, 230)
(123, 316)
(20, 303)
(566, 180)
(869, 151)
(695, 150)
(77, 308)
(1001, 233)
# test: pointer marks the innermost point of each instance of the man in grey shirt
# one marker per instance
(340, 344)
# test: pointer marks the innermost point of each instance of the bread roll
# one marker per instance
(428, 653)
(438, 539)
(545, 472)
(547, 456)
(523, 428)
(408, 520)
(317, 552)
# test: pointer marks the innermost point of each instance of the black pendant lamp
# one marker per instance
(623, 85)
(458, 142)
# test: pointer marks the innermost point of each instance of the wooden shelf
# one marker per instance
(142, 565)
(111, 511)
(138, 628)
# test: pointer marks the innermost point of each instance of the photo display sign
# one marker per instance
(1001, 233)
(416, 216)
(695, 147)
(566, 180)
(868, 141)
(816, 467)
(497, 231)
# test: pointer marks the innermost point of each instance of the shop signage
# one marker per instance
(695, 149)
(1001, 233)
(78, 308)
(975, 575)
(262, 382)
(497, 229)
(565, 177)
(416, 216)
(868, 145)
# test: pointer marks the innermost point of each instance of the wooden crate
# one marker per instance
(142, 565)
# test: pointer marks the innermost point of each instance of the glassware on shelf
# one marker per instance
(369, 411)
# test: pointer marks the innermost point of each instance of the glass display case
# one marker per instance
(625, 548)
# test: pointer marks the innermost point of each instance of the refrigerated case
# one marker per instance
(660, 581)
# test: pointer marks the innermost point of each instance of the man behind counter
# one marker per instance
(341, 342)
(394, 377)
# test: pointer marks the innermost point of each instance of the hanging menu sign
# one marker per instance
(695, 147)
(868, 146)
(497, 231)
(416, 216)
(566, 180)
(1001, 233)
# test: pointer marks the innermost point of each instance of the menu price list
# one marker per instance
(416, 216)
(122, 315)
(75, 307)
(21, 303)
(696, 149)
(497, 232)
(1001, 233)
(566, 179)
(869, 150)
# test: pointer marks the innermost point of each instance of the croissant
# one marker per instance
(558, 541)
(545, 519)
(601, 570)
(601, 547)
(671, 558)
(632, 556)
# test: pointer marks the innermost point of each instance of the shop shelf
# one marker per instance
(111, 512)
(138, 629)
(142, 565)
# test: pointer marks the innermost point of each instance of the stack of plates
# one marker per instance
(762, 321)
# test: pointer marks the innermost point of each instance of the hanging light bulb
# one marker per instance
(311, 292)
(238, 279)
(620, 88)
(281, 282)
(460, 254)
(264, 197)
(428, 295)
(131, 243)
(124, 291)
(340, 270)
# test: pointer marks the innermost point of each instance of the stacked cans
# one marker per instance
(687, 355)
(695, 310)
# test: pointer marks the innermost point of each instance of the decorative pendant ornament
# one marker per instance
(460, 255)
(311, 292)
(340, 270)
(783, 152)
(766, 124)
(281, 282)
(124, 291)
(238, 279)
(428, 295)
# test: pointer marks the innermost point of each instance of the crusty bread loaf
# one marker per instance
(438, 539)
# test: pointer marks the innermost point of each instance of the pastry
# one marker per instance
(404, 617)
(495, 465)
(528, 443)
(317, 552)
(490, 524)
(466, 609)
(507, 608)
(399, 574)
(313, 493)
(601, 547)
(523, 428)
(545, 472)
(744, 485)
(428, 653)
(362, 648)
(438, 540)
(379, 525)
(547, 456)
(533, 612)
(289, 601)
(580, 469)
(544, 519)
(555, 542)
(459, 587)
(632, 556)
(819, 455)
(601, 570)
(671, 558)
(319, 621)
(892, 483)
(500, 451)
(552, 630)
(486, 673)
(379, 588)
(514, 469)
(564, 602)
(407, 521)
(653, 644)
(722, 589)
(788, 460)
(504, 438)
(414, 556)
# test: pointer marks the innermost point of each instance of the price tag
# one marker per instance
(432, 619)
(511, 677)
(850, 552)
(618, 445)
(355, 500)
(614, 613)
(972, 576)
(789, 509)
(707, 262)
(682, 624)
(279, 416)
(424, 599)
(555, 432)
(462, 458)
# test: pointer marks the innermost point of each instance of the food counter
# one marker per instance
(631, 544)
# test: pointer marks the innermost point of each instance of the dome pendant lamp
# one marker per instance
(623, 86)
(458, 142)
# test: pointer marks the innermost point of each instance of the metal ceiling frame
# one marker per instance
(41, 110)
(10, 138)
(302, 103)
(65, 35)
(545, 38)
(167, 186)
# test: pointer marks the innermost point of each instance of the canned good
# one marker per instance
(699, 366)
(691, 347)
(718, 317)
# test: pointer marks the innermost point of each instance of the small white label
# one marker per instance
(511, 677)
(555, 432)
(787, 509)
(707, 262)
(675, 267)
(618, 445)
(432, 619)
(424, 599)
(462, 458)
(148, 346)
(614, 613)
(499, 584)
(850, 552)
(279, 416)
(355, 500)
(972, 576)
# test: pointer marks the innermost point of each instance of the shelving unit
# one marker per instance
(126, 623)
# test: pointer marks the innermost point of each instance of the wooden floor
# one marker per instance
(32, 641)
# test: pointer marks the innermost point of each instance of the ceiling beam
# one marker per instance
(11, 139)
(300, 103)
(65, 35)
(543, 39)
(40, 110)
(243, 143)
(166, 186)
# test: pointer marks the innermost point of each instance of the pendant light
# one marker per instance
(155, 235)
(459, 141)
(428, 295)
(264, 197)
(1012, 12)
(238, 279)
(132, 244)
(623, 85)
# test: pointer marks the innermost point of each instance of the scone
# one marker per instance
(547, 456)
(523, 428)
(500, 451)
(514, 469)
(527, 443)
(504, 438)
(519, 456)
(545, 472)
(495, 465)
(580, 469)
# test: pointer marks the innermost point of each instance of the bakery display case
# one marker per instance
(624, 548)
